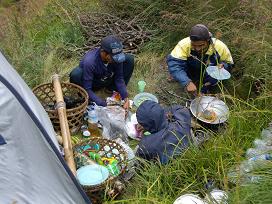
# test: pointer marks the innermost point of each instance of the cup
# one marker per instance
(141, 86)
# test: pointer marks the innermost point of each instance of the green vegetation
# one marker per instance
(48, 41)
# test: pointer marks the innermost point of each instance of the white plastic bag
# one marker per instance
(112, 118)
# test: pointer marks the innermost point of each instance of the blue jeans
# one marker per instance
(76, 75)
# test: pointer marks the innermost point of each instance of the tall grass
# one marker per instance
(47, 41)
(191, 171)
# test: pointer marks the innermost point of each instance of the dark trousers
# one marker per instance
(76, 75)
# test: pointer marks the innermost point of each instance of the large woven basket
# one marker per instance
(82, 160)
(46, 95)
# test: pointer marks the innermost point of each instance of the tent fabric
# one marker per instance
(31, 167)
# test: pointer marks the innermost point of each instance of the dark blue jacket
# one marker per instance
(169, 137)
(93, 67)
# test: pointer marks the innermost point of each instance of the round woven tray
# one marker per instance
(46, 95)
(82, 160)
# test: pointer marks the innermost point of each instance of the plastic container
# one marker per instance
(93, 123)
(261, 157)
(258, 143)
(92, 175)
(92, 115)
(266, 136)
(189, 199)
(141, 97)
(252, 152)
(262, 146)
(217, 196)
(85, 132)
(141, 86)
(218, 73)
(254, 163)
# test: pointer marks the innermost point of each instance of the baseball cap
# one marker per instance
(199, 32)
(113, 45)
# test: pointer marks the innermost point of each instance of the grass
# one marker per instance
(46, 40)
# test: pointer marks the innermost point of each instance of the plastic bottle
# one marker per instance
(258, 143)
(261, 147)
(255, 162)
(216, 196)
(261, 157)
(266, 136)
(93, 122)
(252, 152)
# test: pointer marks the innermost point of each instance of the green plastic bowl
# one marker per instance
(141, 97)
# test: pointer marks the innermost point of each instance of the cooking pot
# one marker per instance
(209, 109)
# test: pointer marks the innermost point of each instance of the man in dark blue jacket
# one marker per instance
(169, 128)
(106, 66)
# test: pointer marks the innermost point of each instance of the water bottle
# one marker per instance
(261, 157)
(266, 135)
(252, 152)
(258, 143)
(255, 162)
(93, 122)
(216, 196)
(92, 116)
(261, 147)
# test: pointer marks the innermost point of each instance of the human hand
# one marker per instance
(191, 87)
(139, 129)
(220, 66)
(126, 107)
(207, 84)
(126, 104)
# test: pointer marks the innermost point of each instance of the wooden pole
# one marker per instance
(65, 132)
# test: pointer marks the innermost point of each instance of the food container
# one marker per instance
(209, 109)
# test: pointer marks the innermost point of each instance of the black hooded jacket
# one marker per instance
(169, 128)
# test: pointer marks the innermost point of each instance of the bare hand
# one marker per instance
(126, 104)
(139, 129)
(126, 107)
(220, 66)
(191, 87)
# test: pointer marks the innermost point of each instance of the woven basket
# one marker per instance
(82, 160)
(46, 95)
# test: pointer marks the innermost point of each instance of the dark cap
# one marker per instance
(199, 32)
(113, 45)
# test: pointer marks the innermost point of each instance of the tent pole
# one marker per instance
(65, 132)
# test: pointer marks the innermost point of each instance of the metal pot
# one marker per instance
(209, 109)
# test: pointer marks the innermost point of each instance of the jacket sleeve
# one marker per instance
(119, 81)
(225, 55)
(227, 66)
(87, 83)
(145, 151)
(177, 68)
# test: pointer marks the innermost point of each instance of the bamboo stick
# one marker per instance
(65, 132)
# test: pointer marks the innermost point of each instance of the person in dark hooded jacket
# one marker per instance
(169, 128)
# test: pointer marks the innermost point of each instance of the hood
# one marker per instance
(151, 116)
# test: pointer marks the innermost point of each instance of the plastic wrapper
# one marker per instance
(112, 119)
